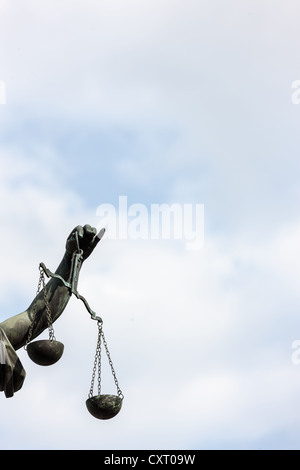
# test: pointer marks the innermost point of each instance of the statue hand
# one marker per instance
(87, 237)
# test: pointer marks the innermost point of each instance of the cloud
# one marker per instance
(182, 348)
(37, 211)
(188, 104)
(131, 62)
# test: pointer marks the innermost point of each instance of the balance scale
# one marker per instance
(49, 351)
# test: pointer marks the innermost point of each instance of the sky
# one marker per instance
(162, 102)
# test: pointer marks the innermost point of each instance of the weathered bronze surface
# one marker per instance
(16, 328)
(14, 331)
(104, 406)
(45, 352)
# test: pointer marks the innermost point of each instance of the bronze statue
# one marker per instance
(15, 330)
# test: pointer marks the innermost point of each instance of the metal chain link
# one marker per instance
(48, 311)
(33, 313)
(97, 362)
(111, 366)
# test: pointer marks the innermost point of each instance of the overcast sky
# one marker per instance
(169, 101)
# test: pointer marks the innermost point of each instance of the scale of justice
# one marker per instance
(48, 351)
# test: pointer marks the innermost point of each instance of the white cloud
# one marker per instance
(151, 61)
(36, 212)
(173, 330)
(201, 342)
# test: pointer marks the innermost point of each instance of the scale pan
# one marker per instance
(104, 406)
(45, 352)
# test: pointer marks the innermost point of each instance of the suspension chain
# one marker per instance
(111, 366)
(48, 311)
(47, 306)
(97, 363)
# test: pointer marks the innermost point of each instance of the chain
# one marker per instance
(97, 362)
(48, 312)
(33, 313)
(112, 367)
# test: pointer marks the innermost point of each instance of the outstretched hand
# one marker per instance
(87, 238)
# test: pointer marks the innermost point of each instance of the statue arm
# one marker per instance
(16, 328)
